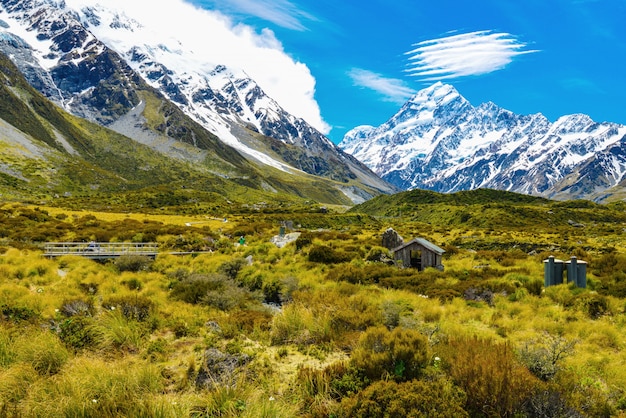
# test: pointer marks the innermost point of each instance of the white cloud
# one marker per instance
(280, 12)
(392, 89)
(462, 55)
(216, 39)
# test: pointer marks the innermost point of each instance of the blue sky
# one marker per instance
(556, 57)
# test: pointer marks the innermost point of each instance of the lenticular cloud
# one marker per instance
(473, 53)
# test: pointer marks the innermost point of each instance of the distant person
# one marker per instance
(242, 240)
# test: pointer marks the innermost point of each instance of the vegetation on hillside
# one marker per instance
(321, 327)
(60, 155)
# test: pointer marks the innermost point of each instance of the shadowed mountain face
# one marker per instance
(439, 141)
(85, 61)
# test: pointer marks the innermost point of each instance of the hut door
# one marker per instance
(416, 259)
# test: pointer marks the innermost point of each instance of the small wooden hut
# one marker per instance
(419, 253)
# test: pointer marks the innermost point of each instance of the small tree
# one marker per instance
(544, 357)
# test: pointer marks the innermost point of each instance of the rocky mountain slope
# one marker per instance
(47, 153)
(97, 63)
(439, 141)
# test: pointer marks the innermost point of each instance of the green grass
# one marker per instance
(88, 339)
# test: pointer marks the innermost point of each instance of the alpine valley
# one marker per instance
(114, 112)
(439, 141)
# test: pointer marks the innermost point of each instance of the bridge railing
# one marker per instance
(100, 249)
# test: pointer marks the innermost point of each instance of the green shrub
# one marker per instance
(133, 307)
(400, 354)
(592, 304)
(326, 255)
(383, 399)
(231, 296)
(272, 291)
(304, 240)
(133, 284)
(319, 389)
(194, 288)
(18, 314)
(213, 290)
(133, 263)
(231, 268)
(78, 332)
(534, 287)
(347, 273)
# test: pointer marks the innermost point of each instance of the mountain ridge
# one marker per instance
(62, 54)
(48, 154)
(439, 141)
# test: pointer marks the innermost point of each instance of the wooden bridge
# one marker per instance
(101, 250)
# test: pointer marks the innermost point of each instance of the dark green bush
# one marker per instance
(18, 313)
(195, 288)
(534, 287)
(213, 290)
(272, 291)
(592, 304)
(78, 332)
(231, 268)
(400, 354)
(383, 399)
(133, 307)
(327, 255)
(304, 240)
(133, 284)
(133, 263)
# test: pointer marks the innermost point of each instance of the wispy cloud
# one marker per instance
(392, 89)
(280, 12)
(467, 54)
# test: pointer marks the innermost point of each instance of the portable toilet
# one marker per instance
(552, 271)
(577, 272)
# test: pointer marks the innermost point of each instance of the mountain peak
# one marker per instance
(438, 94)
(439, 141)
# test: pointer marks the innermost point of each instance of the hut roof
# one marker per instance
(424, 243)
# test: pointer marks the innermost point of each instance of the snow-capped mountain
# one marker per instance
(439, 141)
(98, 63)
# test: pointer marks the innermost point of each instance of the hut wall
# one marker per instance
(429, 258)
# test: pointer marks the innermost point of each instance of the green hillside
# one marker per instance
(45, 152)
(487, 209)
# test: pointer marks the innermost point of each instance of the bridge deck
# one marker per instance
(101, 250)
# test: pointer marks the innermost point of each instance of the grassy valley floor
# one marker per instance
(324, 326)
